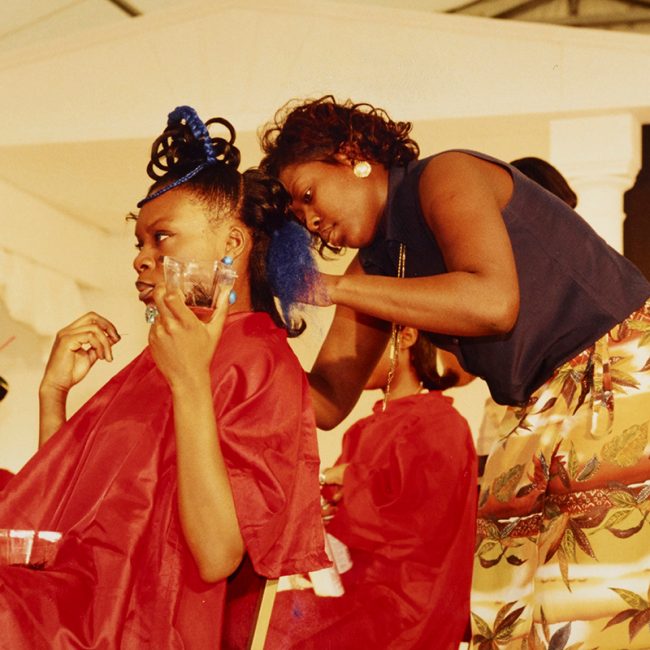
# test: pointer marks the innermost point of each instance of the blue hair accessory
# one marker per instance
(291, 267)
(200, 131)
(198, 128)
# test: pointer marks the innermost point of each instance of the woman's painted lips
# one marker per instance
(144, 291)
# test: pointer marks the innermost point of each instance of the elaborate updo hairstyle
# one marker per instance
(544, 174)
(318, 129)
(424, 357)
(280, 264)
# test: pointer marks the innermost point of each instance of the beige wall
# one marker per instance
(78, 117)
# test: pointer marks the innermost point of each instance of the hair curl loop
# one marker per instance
(186, 148)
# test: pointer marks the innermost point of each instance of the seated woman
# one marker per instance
(200, 451)
(403, 497)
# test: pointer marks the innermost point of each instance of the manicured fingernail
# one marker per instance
(232, 296)
(227, 260)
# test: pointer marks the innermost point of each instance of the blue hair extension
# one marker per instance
(199, 130)
(291, 267)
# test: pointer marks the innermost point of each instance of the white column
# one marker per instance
(600, 157)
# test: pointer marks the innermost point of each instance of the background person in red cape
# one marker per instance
(402, 498)
(200, 451)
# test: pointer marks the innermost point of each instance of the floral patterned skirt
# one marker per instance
(563, 537)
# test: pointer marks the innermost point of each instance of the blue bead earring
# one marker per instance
(232, 296)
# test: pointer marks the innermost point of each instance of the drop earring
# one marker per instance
(227, 261)
(362, 169)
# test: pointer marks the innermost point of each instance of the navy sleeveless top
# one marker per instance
(573, 286)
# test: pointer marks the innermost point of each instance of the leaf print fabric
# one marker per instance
(563, 536)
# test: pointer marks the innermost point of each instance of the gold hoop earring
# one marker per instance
(362, 169)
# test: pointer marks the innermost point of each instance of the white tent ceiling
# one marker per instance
(24, 22)
(86, 85)
(71, 70)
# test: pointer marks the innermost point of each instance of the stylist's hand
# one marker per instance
(318, 294)
(76, 349)
(182, 345)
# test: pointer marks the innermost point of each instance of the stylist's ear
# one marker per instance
(344, 158)
(358, 163)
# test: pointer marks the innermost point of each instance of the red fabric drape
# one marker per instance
(408, 518)
(123, 576)
(5, 476)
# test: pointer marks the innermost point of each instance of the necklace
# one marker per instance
(395, 332)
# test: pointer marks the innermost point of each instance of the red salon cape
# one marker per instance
(5, 476)
(408, 518)
(123, 576)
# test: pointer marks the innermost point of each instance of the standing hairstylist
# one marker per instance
(527, 296)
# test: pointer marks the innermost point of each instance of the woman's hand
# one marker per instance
(76, 349)
(334, 475)
(331, 480)
(182, 345)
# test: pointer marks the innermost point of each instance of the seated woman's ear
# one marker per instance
(238, 242)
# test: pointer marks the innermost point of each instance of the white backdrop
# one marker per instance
(77, 117)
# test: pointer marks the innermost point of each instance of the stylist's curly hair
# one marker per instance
(318, 129)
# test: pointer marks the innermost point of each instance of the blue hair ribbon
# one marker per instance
(176, 183)
(200, 132)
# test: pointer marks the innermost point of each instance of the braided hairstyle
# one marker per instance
(318, 129)
(207, 168)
